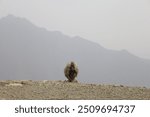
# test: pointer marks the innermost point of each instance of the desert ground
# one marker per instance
(63, 90)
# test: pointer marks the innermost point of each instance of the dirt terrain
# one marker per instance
(63, 90)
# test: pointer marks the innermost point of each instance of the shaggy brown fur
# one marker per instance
(71, 71)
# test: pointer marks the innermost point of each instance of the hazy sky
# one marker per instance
(114, 24)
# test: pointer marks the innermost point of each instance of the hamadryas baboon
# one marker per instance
(71, 71)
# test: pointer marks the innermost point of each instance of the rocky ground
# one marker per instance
(68, 91)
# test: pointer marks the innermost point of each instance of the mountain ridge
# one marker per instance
(31, 52)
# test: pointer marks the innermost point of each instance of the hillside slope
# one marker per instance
(28, 52)
(65, 91)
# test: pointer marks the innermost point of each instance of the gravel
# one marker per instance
(63, 90)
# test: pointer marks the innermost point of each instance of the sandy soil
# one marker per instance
(65, 90)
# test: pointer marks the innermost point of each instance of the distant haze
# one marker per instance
(30, 52)
(114, 24)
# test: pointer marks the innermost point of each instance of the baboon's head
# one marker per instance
(71, 71)
(72, 65)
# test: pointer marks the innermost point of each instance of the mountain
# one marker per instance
(31, 52)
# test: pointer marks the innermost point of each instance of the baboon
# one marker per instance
(71, 71)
